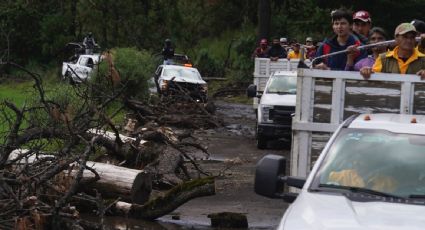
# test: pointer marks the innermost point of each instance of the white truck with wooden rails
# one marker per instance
(370, 174)
(274, 93)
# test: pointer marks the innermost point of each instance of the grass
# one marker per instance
(16, 92)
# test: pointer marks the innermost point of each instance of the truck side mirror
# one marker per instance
(251, 91)
(270, 178)
(267, 174)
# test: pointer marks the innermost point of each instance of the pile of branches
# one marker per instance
(47, 146)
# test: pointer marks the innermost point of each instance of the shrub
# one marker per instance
(134, 67)
(207, 65)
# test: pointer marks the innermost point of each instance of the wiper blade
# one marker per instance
(285, 92)
(361, 190)
(417, 196)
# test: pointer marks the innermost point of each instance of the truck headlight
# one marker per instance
(164, 85)
(204, 88)
(264, 113)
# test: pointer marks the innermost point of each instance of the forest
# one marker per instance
(218, 35)
(57, 138)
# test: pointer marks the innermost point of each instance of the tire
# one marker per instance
(261, 142)
(68, 78)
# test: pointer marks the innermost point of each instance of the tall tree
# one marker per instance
(264, 16)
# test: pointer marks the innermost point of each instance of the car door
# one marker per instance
(84, 67)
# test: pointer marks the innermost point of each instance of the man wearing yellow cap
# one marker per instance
(404, 59)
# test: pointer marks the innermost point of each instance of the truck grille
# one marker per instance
(282, 114)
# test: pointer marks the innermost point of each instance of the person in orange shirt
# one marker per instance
(404, 59)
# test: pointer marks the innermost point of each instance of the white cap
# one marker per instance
(283, 40)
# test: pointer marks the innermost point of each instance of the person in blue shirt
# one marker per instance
(343, 38)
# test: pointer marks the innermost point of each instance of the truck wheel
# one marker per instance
(261, 143)
(68, 77)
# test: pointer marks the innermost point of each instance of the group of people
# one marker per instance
(351, 31)
(280, 48)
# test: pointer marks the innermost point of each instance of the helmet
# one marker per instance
(89, 34)
(167, 40)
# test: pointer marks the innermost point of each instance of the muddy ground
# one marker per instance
(231, 146)
(234, 146)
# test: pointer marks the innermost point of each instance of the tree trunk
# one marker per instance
(264, 14)
(73, 25)
(161, 206)
(131, 185)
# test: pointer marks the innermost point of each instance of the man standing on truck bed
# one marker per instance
(89, 43)
(404, 59)
(276, 51)
(262, 50)
(341, 25)
(168, 52)
(362, 23)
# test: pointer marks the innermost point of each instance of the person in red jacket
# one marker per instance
(262, 50)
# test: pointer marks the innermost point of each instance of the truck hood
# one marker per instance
(180, 79)
(278, 99)
(331, 212)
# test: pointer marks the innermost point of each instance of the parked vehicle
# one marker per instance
(276, 107)
(370, 175)
(264, 68)
(182, 81)
(80, 68)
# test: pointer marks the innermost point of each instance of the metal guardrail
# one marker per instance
(303, 125)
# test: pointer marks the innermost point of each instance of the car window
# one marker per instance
(90, 63)
(183, 73)
(282, 84)
(158, 71)
(83, 61)
(378, 160)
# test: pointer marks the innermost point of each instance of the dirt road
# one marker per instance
(233, 146)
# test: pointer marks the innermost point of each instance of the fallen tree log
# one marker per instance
(130, 184)
(174, 198)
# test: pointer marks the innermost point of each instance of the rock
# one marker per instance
(228, 220)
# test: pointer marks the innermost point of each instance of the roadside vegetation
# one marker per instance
(56, 124)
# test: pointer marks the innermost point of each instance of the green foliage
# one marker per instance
(36, 31)
(135, 68)
(240, 73)
(65, 99)
(207, 65)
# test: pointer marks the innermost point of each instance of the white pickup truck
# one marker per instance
(276, 107)
(80, 69)
(370, 175)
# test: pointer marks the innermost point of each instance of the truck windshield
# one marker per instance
(376, 160)
(282, 84)
(184, 73)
